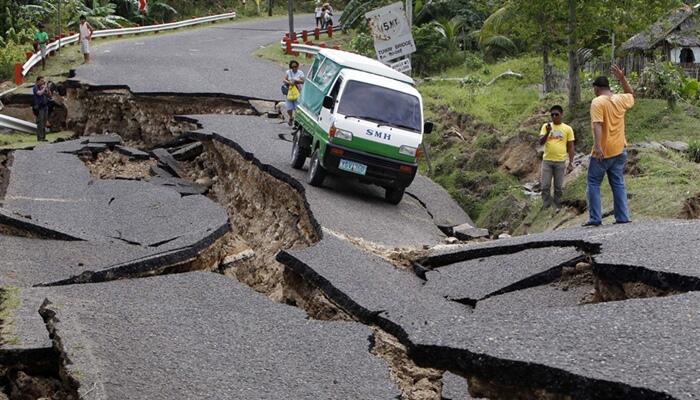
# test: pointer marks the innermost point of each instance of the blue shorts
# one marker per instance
(291, 105)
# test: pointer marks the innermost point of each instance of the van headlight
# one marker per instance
(343, 134)
(408, 150)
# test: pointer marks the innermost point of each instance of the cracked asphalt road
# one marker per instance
(211, 60)
(343, 206)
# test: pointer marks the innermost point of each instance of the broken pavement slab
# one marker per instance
(468, 231)
(169, 162)
(263, 107)
(222, 340)
(133, 153)
(515, 347)
(473, 280)
(188, 152)
(23, 336)
(57, 192)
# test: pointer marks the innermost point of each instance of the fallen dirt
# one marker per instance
(266, 213)
(607, 290)
(141, 119)
(415, 383)
(484, 388)
(577, 276)
(113, 165)
(400, 257)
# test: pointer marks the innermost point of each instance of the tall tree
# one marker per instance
(572, 44)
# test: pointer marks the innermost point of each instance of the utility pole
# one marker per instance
(290, 10)
(269, 8)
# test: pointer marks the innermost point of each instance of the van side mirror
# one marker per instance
(328, 102)
(427, 127)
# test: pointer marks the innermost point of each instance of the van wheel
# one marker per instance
(316, 173)
(393, 195)
(300, 149)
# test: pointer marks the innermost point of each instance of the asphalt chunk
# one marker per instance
(221, 340)
(479, 278)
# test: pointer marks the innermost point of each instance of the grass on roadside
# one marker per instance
(273, 52)
(658, 188)
(9, 302)
(17, 140)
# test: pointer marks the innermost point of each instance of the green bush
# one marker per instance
(473, 61)
(363, 44)
(662, 80)
(11, 54)
(694, 151)
(434, 53)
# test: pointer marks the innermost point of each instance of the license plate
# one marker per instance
(351, 166)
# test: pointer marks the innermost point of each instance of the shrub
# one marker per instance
(694, 151)
(434, 53)
(363, 44)
(473, 61)
(662, 80)
(10, 55)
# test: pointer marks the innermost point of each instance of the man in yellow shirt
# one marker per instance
(609, 153)
(558, 140)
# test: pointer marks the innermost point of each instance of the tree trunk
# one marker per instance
(574, 85)
(546, 70)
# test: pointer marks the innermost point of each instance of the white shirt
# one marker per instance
(317, 12)
(84, 31)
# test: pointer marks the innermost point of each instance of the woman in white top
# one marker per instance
(318, 13)
(294, 76)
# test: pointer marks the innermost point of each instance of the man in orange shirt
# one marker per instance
(609, 153)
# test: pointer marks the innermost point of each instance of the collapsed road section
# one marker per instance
(531, 317)
(533, 337)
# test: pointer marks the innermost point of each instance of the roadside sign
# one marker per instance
(391, 32)
(403, 65)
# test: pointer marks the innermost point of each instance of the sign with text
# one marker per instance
(391, 32)
(403, 65)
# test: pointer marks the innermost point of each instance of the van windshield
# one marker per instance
(381, 105)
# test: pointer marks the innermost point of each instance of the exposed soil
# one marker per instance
(267, 213)
(141, 119)
(691, 207)
(415, 383)
(484, 388)
(113, 165)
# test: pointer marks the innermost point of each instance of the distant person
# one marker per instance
(41, 39)
(293, 77)
(41, 92)
(609, 153)
(328, 15)
(558, 140)
(85, 37)
(318, 13)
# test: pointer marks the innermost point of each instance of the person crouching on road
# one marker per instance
(293, 79)
(609, 147)
(558, 140)
(40, 107)
(41, 38)
(85, 37)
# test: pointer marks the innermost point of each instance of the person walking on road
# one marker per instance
(85, 37)
(558, 140)
(293, 80)
(318, 13)
(41, 38)
(609, 147)
(41, 92)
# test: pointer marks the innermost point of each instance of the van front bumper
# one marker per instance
(381, 171)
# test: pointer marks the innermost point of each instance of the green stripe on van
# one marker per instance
(357, 143)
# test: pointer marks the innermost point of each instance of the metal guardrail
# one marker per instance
(53, 46)
(16, 124)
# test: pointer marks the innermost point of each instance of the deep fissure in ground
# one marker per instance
(269, 214)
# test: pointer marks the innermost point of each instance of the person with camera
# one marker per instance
(42, 93)
(558, 140)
